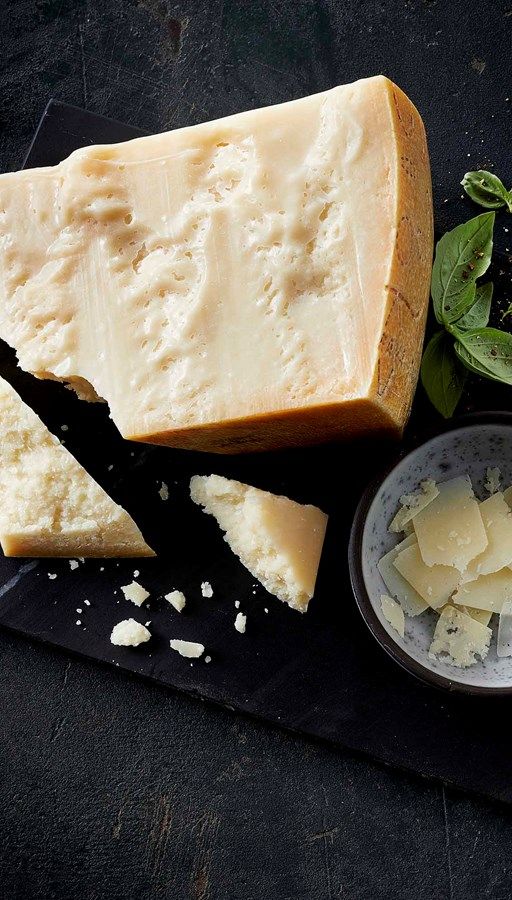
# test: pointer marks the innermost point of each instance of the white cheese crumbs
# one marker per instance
(52, 576)
(207, 659)
(64, 428)
(240, 623)
(81, 559)
(393, 613)
(129, 633)
(265, 610)
(87, 602)
(79, 610)
(78, 622)
(460, 637)
(492, 479)
(189, 649)
(135, 592)
(73, 564)
(412, 504)
(504, 646)
(237, 604)
(176, 599)
(164, 491)
(136, 573)
(206, 589)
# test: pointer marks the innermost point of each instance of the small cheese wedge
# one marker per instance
(278, 540)
(50, 506)
(450, 530)
(393, 613)
(176, 599)
(435, 584)
(254, 282)
(497, 519)
(460, 637)
(486, 592)
(398, 587)
(412, 504)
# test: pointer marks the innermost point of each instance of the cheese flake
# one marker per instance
(450, 530)
(188, 649)
(460, 637)
(135, 592)
(486, 592)
(393, 613)
(412, 504)
(176, 599)
(129, 633)
(497, 519)
(399, 588)
(434, 584)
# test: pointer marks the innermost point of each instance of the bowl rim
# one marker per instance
(355, 547)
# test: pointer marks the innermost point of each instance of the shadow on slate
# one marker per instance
(321, 674)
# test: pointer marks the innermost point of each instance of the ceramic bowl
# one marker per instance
(469, 446)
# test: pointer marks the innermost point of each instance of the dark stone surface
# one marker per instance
(115, 788)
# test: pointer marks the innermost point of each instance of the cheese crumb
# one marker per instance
(129, 633)
(240, 623)
(87, 602)
(51, 576)
(136, 573)
(164, 491)
(237, 604)
(492, 479)
(206, 589)
(73, 564)
(207, 659)
(135, 592)
(176, 599)
(189, 649)
(78, 622)
(265, 610)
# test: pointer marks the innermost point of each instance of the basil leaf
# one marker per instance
(488, 352)
(477, 315)
(487, 190)
(462, 255)
(441, 375)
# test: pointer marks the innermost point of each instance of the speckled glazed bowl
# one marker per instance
(470, 445)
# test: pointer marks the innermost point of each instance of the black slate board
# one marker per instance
(321, 674)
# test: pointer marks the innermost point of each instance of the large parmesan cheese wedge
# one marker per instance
(254, 282)
(50, 506)
(278, 540)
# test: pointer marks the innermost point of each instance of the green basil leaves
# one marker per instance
(487, 190)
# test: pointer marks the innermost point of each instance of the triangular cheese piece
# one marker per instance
(251, 283)
(278, 540)
(50, 505)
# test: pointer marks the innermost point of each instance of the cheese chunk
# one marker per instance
(450, 530)
(486, 592)
(435, 584)
(278, 540)
(461, 637)
(50, 506)
(129, 633)
(188, 649)
(497, 519)
(135, 592)
(393, 613)
(253, 282)
(240, 622)
(176, 599)
(412, 504)
(396, 584)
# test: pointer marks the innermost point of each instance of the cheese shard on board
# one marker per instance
(435, 584)
(486, 592)
(129, 633)
(398, 587)
(393, 613)
(142, 272)
(50, 506)
(450, 530)
(460, 637)
(412, 504)
(497, 519)
(278, 540)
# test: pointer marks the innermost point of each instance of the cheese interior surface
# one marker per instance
(434, 584)
(450, 530)
(278, 540)
(50, 505)
(252, 282)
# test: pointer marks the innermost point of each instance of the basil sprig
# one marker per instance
(462, 307)
(487, 190)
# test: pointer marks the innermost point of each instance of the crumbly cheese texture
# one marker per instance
(141, 272)
(176, 599)
(129, 633)
(460, 637)
(135, 593)
(50, 506)
(278, 540)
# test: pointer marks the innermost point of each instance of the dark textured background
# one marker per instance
(112, 788)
